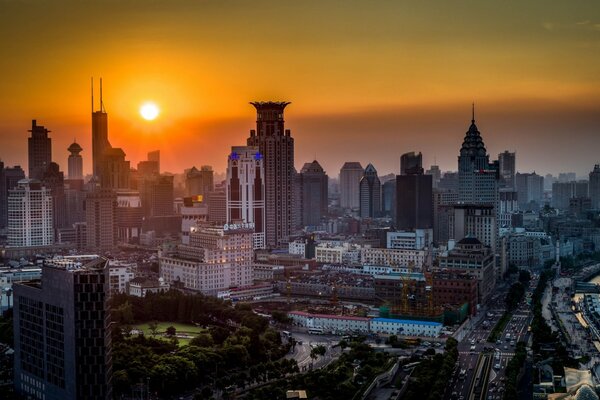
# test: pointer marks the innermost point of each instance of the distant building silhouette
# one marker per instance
(414, 196)
(100, 217)
(314, 186)
(595, 187)
(39, 150)
(507, 165)
(530, 190)
(75, 163)
(370, 193)
(276, 145)
(199, 182)
(30, 221)
(246, 190)
(350, 176)
(9, 178)
(62, 331)
(54, 180)
(411, 164)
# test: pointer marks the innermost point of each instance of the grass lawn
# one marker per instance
(186, 329)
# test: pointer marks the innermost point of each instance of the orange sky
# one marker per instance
(367, 80)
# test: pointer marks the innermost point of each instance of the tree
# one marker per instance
(281, 317)
(316, 351)
(153, 326)
(202, 340)
(171, 331)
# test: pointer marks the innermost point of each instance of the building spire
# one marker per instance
(473, 113)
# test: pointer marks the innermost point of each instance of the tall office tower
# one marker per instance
(567, 177)
(129, 215)
(154, 157)
(508, 205)
(530, 190)
(62, 331)
(245, 190)
(115, 169)
(350, 176)
(594, 187)
(75, 161)
(75, 201)
(370, 193)
(217, 205)
(414, 196)
(388, 199)
(100, 141)
(9, 178)
(507, 164)
(217, 258)
(54, 180)
(477, 221)
(100, 218)
(30, 215)
(199, 182)
(411, 164)
(277, 147)
(314, 187)
(39, 150)
(156, 193)
(477, 177)
(297, 200)
(436, 173)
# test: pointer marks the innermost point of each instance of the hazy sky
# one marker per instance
(368, 80)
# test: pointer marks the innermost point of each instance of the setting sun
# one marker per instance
(149, 111)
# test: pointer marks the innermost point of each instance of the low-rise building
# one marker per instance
(141, 286)
(405, 327)
(394, 257)
(330, 323)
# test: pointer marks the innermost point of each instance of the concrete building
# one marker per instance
(331, 323)
(314, 193)
(217, 258)
(156, 193)
(344, 253)
(350, 176)
(413, 259)
(217, 205)
(276, 145)
(411, 164)
(594, 189)
(507, 165)
(62, 331)
(470, 256)
(129, 215)
(100, 217)
(9, 178)
(414, 196)
(199, 182)
(120, 274)
(388, 199)
(75, 162)
(508, 206)
(418, 239)
(193, 212)
(39, 150)
(53, 179)
(30, 215)
(453, 289)
(403, 327)
(141, 286)
(436, 175)
(530, 190)
(370, 193)
(245, 190)
(477, 221)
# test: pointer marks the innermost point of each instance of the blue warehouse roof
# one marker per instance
(407, 321)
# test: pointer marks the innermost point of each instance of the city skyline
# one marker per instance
(403, 77)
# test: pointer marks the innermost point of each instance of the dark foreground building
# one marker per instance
(62, 331)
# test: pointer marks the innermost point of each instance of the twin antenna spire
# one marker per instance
(102, 109)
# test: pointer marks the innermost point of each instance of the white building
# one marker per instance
(192, 212)
(415, 240)
(345, 253)
(394, 257)
(298, 246)
(120, 275)
(405, 327)
(245, 190)
(330, 323)
(216, 259)
(141, 286)
(30, 215)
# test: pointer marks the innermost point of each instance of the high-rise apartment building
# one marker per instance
(276, 145)
(30, 221)
(246, 190)
(199, 182)
(216, 201)
(154, 157)
(75, 162)
(530, 190)
(100, 216)
(370, 193)
(314, 191)
(478, 221)
(350, 176)
(54, 180)
(9, 178)
(156, 193)
(594, 187)
(62, 331)
(388, 199)
(507, 165)
(39, 150)
(414, 200)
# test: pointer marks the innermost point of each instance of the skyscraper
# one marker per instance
(62, 331)
(39, 150)
(314, 188)
(156, 193)
(594, 187)
(75, 163)
(414, 196)
(276, 145)
(100, 141)
(54, 180)
(199, 182)
(477, 177)
(350, 176)
(154, 156)
(9, 178)
(370, 193)
(507, 165)
(530, 190)
(30, 221)
(246, 190)
(100, 214)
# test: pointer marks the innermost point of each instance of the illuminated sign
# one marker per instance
(243, 225)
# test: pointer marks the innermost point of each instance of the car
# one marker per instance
(497, 366)
(473, 348)
(505, 347)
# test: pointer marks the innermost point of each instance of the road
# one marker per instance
(481, 365)
(305, 342)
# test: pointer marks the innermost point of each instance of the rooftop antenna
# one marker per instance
(101, 102)
(92, 79)
(472, 119)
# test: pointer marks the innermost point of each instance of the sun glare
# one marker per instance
(149, 111)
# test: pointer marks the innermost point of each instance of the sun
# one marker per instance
(149, 111)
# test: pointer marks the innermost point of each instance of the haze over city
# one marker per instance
(367, 81)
